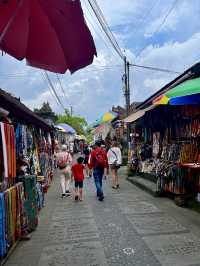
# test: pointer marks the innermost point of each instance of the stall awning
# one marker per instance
(135, 116)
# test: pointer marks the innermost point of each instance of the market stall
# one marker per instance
(26, 169)
(165, 141)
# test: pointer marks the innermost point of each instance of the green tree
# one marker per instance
(89, 134)
(46, 112)
(77, 122)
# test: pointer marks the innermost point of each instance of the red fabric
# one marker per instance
(77, 170)
(93, 156)
(52, 34)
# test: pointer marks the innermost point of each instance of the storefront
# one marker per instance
(26, 169)
(165, 143)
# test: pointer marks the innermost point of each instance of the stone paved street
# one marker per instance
(129, 228)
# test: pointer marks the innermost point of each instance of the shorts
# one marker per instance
(66, 172)
(114, 166)
(86, 160)
(79, 184)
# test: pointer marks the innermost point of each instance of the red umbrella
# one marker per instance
(49, 34)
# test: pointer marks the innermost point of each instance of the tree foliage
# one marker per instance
(77, 122)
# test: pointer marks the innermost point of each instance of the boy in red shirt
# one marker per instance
(78, 175)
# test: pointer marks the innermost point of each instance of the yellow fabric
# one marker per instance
(164, 100)
(107, 117)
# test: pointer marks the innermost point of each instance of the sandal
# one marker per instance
(76, 198)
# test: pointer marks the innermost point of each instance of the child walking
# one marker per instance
(78, 175)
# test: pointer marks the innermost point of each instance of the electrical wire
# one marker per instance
(46, 83)
(53, 89)
(98, 26)
(167, 15)
(105, 22)
(146, 16)
(97, 11)
(155, 69)
(61, 86)
(161, 24)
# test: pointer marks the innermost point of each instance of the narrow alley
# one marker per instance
(129, 228)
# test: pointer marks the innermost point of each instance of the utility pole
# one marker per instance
(71, 110)
(127, 95)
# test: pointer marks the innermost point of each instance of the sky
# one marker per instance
(147, 33)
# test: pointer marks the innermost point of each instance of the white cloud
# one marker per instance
(183, 13)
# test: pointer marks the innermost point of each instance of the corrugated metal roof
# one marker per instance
(135, 116)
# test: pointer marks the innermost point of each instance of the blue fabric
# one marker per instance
(67, 128)
(3, 246)
(39, 195)
(98, 176)
(18, 140)
(183, 100)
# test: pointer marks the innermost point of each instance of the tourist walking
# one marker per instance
(86, 153)
(78, 176)
(99, 161)
(105, 171)
(64, 162)
(114, 161)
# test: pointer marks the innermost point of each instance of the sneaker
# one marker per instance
(63, 195)
(101, 198)
(67, 192)
(118, 186)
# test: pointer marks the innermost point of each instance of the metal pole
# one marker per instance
(128, 103)
(126, 85)
(127, 96)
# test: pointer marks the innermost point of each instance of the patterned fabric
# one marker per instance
(2, 226)
(12, 217)
(9, 154)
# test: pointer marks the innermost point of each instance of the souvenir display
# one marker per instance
(25, 153)
(169, 149)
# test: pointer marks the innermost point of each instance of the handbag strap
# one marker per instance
(114, 154)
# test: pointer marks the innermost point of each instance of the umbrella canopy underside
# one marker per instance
(51, 34)
(185, 93)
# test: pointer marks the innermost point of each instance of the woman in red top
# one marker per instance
(78, 175)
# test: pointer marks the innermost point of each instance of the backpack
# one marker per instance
(62, 162)
(100, 161)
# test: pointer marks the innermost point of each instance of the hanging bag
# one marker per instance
(115, 163)
(62, 163)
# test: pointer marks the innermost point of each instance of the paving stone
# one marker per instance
(176, 250)
(138, 207)
(119, 238)
(156, 223)
(86, 254)
(126, 229)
